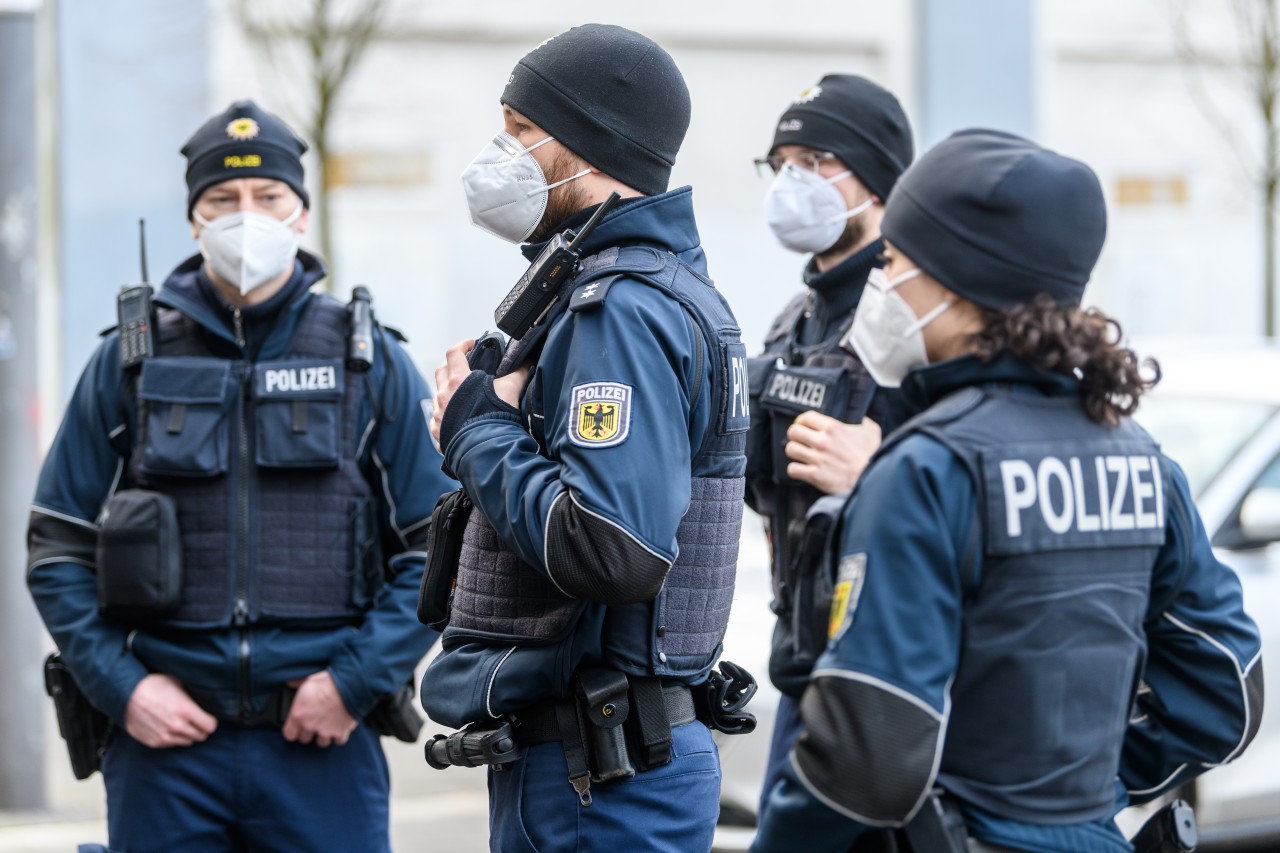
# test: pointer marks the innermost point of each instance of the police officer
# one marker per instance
(1019, 557)
(253, 507)
(817, 415)
(606, 466)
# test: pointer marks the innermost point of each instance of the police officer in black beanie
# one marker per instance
(1031, 630)
(605, 463)
(817, 415)
(228, 533)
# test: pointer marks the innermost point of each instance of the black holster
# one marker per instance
(395, 715)
(82, 726)
(1172, 829)
(603, 707)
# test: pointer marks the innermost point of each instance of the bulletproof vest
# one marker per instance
(786, 380)
(1071, 516)
(277, 522)
(498, 598)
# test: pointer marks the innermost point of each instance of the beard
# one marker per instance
(563, 201)
(851, 236)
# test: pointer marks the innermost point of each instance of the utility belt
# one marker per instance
(939, 827)
(614, 727)
(394, 715)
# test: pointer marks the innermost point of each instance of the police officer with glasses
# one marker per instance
(817, 413)
(1029, 629)
(226, 540)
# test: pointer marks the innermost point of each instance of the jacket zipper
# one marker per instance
(241, 612)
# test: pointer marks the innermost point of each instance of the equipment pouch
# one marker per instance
(603, 707)
(82, 726)
(139, 556)
(395, 716)
(444, 546)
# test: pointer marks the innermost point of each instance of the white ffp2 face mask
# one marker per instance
(506, 188)
(805, 211)
(249, 249)
(886, 335)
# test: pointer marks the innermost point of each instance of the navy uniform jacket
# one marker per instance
(85, 464)
(639, 487)
(904, 628)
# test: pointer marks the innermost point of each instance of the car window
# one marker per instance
(1201, 435)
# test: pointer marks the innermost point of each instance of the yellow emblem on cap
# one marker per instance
(809, 94)
(242, 128)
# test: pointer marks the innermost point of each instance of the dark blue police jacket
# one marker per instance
(594, 501)
(231, 670)
(1008, 573)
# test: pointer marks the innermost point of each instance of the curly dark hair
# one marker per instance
(1084, 343)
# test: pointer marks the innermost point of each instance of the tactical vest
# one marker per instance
(787, 379)
(1071, 516)
(501, 600)
(277, 521)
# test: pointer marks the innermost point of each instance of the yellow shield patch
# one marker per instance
(600, 415)
(848, 589)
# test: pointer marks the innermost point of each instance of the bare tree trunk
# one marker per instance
(1269, 78)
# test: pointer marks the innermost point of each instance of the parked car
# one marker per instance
(1217, 413)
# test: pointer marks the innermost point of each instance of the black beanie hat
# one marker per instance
(997, 219)
(245, 141)
(856, 120)
(611, 96)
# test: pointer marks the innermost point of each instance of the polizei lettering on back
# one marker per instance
(285, 379)
(790, 388)
(1074, 501)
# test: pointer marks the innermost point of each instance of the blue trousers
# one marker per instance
(669, 809)
(247, 789)
(787, 725)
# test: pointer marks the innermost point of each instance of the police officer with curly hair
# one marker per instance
(605, 462)
(1028, 614)
(226, 541)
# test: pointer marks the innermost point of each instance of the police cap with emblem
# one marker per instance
(245, 141)
(856, 120)
(611, 96)
(997, 219)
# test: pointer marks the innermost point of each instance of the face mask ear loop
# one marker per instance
(853, 211)
(549, 187)
(293, 217)
(927, 318)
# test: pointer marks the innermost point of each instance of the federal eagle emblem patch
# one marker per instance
(242, 128)
(600, 414)
(844, 601)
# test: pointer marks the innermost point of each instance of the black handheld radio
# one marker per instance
(540, 284)
(133, 313)
(360, 334)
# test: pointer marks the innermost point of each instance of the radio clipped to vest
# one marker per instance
(360, 330)
(540, 284)
(133, 314)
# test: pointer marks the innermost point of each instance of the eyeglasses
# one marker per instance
(809, 160)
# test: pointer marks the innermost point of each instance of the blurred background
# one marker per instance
(1172, 102)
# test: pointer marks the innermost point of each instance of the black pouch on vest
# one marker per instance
(139, 556)
(788, 391)
(444, 546)
(602, 709)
